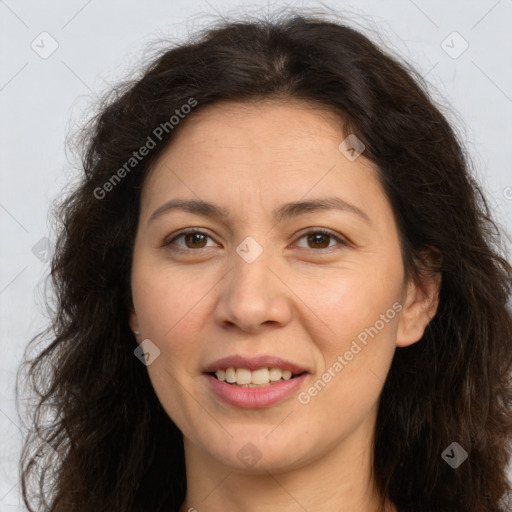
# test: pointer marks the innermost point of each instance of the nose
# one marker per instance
(253, 296)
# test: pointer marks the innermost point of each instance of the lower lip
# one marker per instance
(255, 398)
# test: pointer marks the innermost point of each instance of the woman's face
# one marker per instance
(292, 261)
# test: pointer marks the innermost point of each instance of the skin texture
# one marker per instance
(304, 301)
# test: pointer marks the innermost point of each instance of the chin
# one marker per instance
(253, 454)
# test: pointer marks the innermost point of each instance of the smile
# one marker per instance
(261, 377)
(254, 396)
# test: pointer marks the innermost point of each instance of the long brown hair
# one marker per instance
(111, 446)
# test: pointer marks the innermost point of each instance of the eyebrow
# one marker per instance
(285, 211)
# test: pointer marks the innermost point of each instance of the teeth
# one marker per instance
(287, 374)
(247, 378)
(243, 376)
(260, 376)
(230, 375)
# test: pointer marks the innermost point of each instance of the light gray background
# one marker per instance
(98, 41)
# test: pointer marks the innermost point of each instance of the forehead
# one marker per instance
(264, 152)
(261, 120)
(233, 135)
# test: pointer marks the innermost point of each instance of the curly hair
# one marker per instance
(110, 445)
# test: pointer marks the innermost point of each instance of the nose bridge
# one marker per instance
(251, 268)
(252, 294)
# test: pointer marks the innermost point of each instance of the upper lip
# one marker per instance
(254, 363)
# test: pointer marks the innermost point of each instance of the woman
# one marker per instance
(278, 289)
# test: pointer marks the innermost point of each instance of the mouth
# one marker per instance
(258, 378)
(259, 371)
(254, 383)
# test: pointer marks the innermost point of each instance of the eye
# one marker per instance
(193, 239)
(321, 239)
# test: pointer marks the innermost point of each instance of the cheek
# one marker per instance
(166, 297)
(357, 320)
(355, 360)
(349, 301)
(169, 303)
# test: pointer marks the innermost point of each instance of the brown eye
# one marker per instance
(189, 240)
(320, 239)
(195, 240)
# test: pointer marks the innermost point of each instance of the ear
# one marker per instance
(134, 322)
(420, 303)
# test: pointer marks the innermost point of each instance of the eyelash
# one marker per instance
(315, 231)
